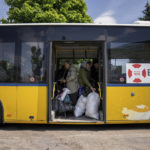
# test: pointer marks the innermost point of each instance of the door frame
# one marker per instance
(50, 82)
(105, 79)
(50, 78)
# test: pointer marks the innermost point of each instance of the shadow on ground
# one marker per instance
(41, 127)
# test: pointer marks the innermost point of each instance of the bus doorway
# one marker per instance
(76, 54)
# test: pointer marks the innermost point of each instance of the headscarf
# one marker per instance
(83, 65)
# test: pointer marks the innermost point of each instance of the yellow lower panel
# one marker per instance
(8, 98)
(42, 104)
(25, 122)
(121, 106)
(31, 102)
(128, 122)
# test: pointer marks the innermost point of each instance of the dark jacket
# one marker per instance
(94, 74)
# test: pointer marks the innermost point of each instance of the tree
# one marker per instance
(146, 12)
(57, 11)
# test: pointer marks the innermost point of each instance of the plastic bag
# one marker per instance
(80, 106)
(92, 106)
(62, 96)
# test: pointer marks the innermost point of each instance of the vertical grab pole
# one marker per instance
(105, 79)
(50, 82)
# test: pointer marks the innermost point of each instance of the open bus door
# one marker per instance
(54, 60)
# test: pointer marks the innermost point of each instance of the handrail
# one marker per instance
(99, 89)
(54, 88)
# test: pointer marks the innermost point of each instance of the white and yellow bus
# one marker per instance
(30, 55)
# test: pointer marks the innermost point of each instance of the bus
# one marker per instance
(31, 55)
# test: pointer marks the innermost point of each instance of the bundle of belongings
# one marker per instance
(88, 105)
(62, 103)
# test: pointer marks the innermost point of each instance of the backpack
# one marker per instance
(84, 91)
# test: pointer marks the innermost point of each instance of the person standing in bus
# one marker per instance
(85, 77)
(71, 81)
(95, 71)
(61, 76)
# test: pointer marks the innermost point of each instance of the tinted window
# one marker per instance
(122, 53)
(127, 34)
(7, 58)
(32, 62)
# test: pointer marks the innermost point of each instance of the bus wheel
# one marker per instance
(1, 113)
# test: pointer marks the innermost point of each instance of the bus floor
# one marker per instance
(72, 118)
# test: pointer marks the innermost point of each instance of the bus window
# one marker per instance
(121, 53)
(7, 57)
(32, 62)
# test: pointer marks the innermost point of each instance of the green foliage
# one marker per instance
(146, 12)
(56, 11)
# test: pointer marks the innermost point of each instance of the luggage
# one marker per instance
(80, 106)
(92, 106)
(64, 106)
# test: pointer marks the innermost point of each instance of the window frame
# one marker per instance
(110, 80)
(14, 61)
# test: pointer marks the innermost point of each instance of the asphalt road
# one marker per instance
(64, 137)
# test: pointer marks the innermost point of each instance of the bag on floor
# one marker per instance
(68, 104)
(80, 106)
(62, 106)
(92, 106)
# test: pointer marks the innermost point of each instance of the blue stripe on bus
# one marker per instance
(22, 84)
(43, 84)
(127, 85)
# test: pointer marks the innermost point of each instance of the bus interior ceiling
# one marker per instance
(77, 53)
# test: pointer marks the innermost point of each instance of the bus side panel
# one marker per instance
(42, 103)
(31, 103)
(128, 103)
(8, 98)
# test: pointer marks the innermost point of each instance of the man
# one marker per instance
(85, 77)
(95, 73)
(71, 81)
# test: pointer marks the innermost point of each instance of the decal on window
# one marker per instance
(138, 73)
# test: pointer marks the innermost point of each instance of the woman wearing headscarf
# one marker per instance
(85, 77)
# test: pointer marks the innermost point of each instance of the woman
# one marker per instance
(72, 82)
(85, 77)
